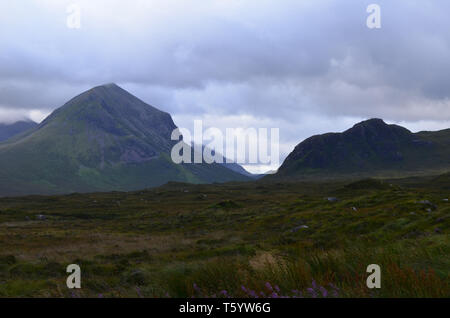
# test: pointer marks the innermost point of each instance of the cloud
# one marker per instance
(304, 66)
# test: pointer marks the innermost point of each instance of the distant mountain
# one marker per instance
(370, 148)
(239, 169)
(233, 166)
(102, 140)
(441, 182)
(10, 130)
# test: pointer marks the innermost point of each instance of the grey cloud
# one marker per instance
(284, 62)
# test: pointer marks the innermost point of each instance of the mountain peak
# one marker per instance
(107, 100)
(123, 127)
(372, 122)
(108, 86)
(376, 126)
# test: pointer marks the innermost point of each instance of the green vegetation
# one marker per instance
(184, 240)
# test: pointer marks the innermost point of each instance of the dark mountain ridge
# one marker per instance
(369, 148)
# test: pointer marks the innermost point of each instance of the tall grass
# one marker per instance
(340, 273)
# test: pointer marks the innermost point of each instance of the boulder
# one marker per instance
(298, 228)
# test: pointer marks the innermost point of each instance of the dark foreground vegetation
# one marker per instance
(246, 240)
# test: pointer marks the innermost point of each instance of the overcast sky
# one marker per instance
(305, 66)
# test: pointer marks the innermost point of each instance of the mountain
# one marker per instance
(104, 139)
(370, 148)
(10, 130)
(441, 182)
(233, 166)
(239, 169)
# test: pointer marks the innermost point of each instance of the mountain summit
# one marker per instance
(101, 140)
(369, 148)
(114, 125)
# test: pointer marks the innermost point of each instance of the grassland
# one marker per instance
(235, 239)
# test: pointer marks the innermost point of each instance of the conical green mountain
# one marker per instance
(370, 148)
(102, 140)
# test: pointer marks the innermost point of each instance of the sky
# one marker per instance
(303, 66)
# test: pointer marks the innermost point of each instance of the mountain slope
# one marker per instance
(102, 140)
(10, 130)
(370, 148)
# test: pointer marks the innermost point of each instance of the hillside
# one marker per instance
(104, 139)
(370, 148)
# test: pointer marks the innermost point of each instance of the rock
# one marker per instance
(445, 200)
(412, 213)
(427, 203)
(297, 228)
(332, 199)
